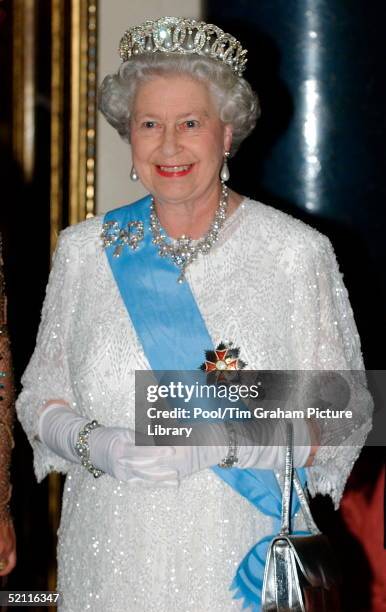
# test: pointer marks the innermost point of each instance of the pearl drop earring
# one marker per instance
(224, 174)
(133, 174)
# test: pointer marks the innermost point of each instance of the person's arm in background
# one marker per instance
(7, 409)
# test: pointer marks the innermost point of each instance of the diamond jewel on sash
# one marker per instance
(114, 234)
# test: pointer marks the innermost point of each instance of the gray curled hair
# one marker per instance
(237, 104)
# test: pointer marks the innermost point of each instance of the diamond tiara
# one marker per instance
(186, 36)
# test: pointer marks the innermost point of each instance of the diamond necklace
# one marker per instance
(184, 250)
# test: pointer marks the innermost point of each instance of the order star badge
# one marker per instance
(223, 359)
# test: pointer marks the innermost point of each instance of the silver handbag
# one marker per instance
(300, 573)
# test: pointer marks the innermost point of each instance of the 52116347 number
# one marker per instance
(29, 598)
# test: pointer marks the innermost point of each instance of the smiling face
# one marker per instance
(178, 140)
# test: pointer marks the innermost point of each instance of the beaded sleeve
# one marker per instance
(336, 346)
(7, 402)
(47, 374)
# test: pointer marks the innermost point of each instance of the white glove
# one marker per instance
(266, 452)
(112, 449)
(268, 447)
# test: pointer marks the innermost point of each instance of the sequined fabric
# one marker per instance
(271, 286)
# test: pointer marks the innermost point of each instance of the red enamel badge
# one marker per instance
(224, 358)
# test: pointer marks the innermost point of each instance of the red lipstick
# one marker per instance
(170, 173)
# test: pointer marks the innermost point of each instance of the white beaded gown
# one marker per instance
(270, 285)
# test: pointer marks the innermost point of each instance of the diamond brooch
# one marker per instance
(113, 234)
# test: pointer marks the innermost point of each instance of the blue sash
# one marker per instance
(167, 320)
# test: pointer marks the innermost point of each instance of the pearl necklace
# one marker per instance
(184, 250)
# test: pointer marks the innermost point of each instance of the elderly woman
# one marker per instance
(155, 285)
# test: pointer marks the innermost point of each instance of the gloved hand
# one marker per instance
(259, 445)
(112, 449)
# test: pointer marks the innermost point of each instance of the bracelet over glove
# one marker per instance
(109, 450)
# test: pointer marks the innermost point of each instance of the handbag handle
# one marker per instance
(291, 477)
